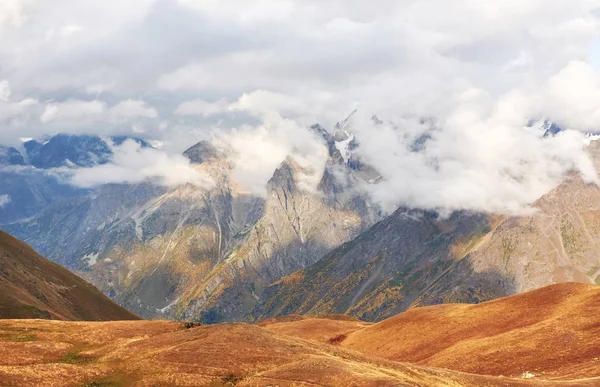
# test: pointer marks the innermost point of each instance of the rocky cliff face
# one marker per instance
(414, 259)
(194, 253)
(386, 269)
(223, 254)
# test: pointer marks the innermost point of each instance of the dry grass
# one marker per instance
(162, 353)
(500, 336)
(552, 332)
(33, 287)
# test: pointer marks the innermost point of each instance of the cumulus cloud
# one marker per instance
(198, 107)
(4, 200)
(131, 109)
(257, 151)
(481, 158)
(260, 71)
(73, 111)
(572, 97)
(11, 13)
(13, 113)
(133, 164)
(79, 113)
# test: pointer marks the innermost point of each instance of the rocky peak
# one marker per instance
(284, 176)
(202, 151)
(74, 150)
(10, 156)
(64, 149)
(334, 152)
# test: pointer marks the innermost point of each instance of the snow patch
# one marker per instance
(91, 258)
(4, 200)
(344, 146)
(166, 308)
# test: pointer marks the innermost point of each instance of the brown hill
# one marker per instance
(552, 332)
(548, 337)
(159, 353)
(33, 287)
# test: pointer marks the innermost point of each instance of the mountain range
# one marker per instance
(224, 254)
(196, 253)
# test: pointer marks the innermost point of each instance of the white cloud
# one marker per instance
(70, 29)
(170, 69)
(128, 109)
(198, 107)
(80, 113)
(572, 97)
(10, 110)
(4, 200)
(480, 158)
(73, 111)
(4, 91)
(133, 164)
(257, 151)
(11, 13)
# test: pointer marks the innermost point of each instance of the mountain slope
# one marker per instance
(37, 178)
(412, 259)
(33, 287)
(382, 272)
(200, 253)
(551, 332)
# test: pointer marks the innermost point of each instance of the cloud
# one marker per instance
(132, 164)
(480, 158)
(70, 29)
(88, 113)
(73, 111)
(4, 200)
(13, 113)
(572, 97)
(128, 109)
(4, 91)
(257, 72)
(11, 13)
(257, 151)
(198, 107)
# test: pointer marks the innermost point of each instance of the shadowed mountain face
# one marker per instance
(70, 150)
(388, 268)
(33, 287)
(549, 337)
(10, 156)
(31, 181)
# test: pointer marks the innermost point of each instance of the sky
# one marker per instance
(257, 73)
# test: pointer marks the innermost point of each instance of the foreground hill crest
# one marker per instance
(33, 287)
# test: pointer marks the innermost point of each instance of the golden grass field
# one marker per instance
(551, 335)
